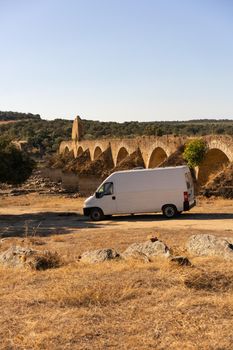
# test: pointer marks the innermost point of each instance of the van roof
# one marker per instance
(153, 169)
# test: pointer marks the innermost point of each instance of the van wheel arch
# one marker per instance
(169, 211)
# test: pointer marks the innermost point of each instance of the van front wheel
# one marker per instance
(96, 214)
(169, 211)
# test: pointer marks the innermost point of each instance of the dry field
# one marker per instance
(113, 305)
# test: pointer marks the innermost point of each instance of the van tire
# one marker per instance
(169, 211)
(96, 214)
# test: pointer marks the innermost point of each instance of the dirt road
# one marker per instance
(57, 215)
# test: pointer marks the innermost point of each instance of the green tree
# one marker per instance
(15, 166)
(194, 152)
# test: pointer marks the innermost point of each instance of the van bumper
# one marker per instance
(187, 206)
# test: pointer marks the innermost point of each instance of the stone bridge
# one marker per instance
(154, 149)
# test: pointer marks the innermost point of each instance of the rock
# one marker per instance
(228, 239)
(210, 245)
(180, 260)
(139, 256)
(36, 183)
(17, 256)
(100, 255)
(148, 248)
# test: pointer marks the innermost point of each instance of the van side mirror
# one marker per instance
(98, 195)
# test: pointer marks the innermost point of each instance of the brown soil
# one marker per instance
(82, 165)
(132, 161)
(59, 161)
(223, 178)
(175, 158)
(76, 165)
(221, 184)
(97, 167)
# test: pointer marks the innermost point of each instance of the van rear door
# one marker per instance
(190, 187)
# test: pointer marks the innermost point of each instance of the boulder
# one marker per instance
(228, 239)
(139, 256)
(150, 249)
(100, 255)
(210, 245)
(17, 256)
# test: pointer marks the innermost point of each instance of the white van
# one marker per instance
(169, 190)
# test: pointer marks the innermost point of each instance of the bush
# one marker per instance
(15, 166)
(194, 152)
(44, 260)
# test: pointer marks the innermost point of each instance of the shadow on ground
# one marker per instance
(42, 224)
(54, 223)
(186, 216)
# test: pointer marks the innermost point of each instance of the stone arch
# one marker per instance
(66, 150)
(65, 147)
(157, 156)
(97, 152)
(214, 161)
(222, 143)
(80, 151)
(122, 154)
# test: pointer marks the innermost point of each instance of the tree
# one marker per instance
(194, 152)
(15, 166)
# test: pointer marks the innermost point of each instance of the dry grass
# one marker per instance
(124, 305)
(116, 305)
(37, 201)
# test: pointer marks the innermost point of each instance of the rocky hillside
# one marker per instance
(221, 184)
(36, 183)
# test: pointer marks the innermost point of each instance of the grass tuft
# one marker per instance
(44, 260)
(214, 281)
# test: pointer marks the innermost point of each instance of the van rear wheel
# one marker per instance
(169, 211)
(96, 214)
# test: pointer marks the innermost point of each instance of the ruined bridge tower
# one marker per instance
(77, 129)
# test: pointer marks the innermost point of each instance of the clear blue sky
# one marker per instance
(117, 59)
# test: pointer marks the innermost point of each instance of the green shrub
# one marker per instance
(194, 152)
(15, 166)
